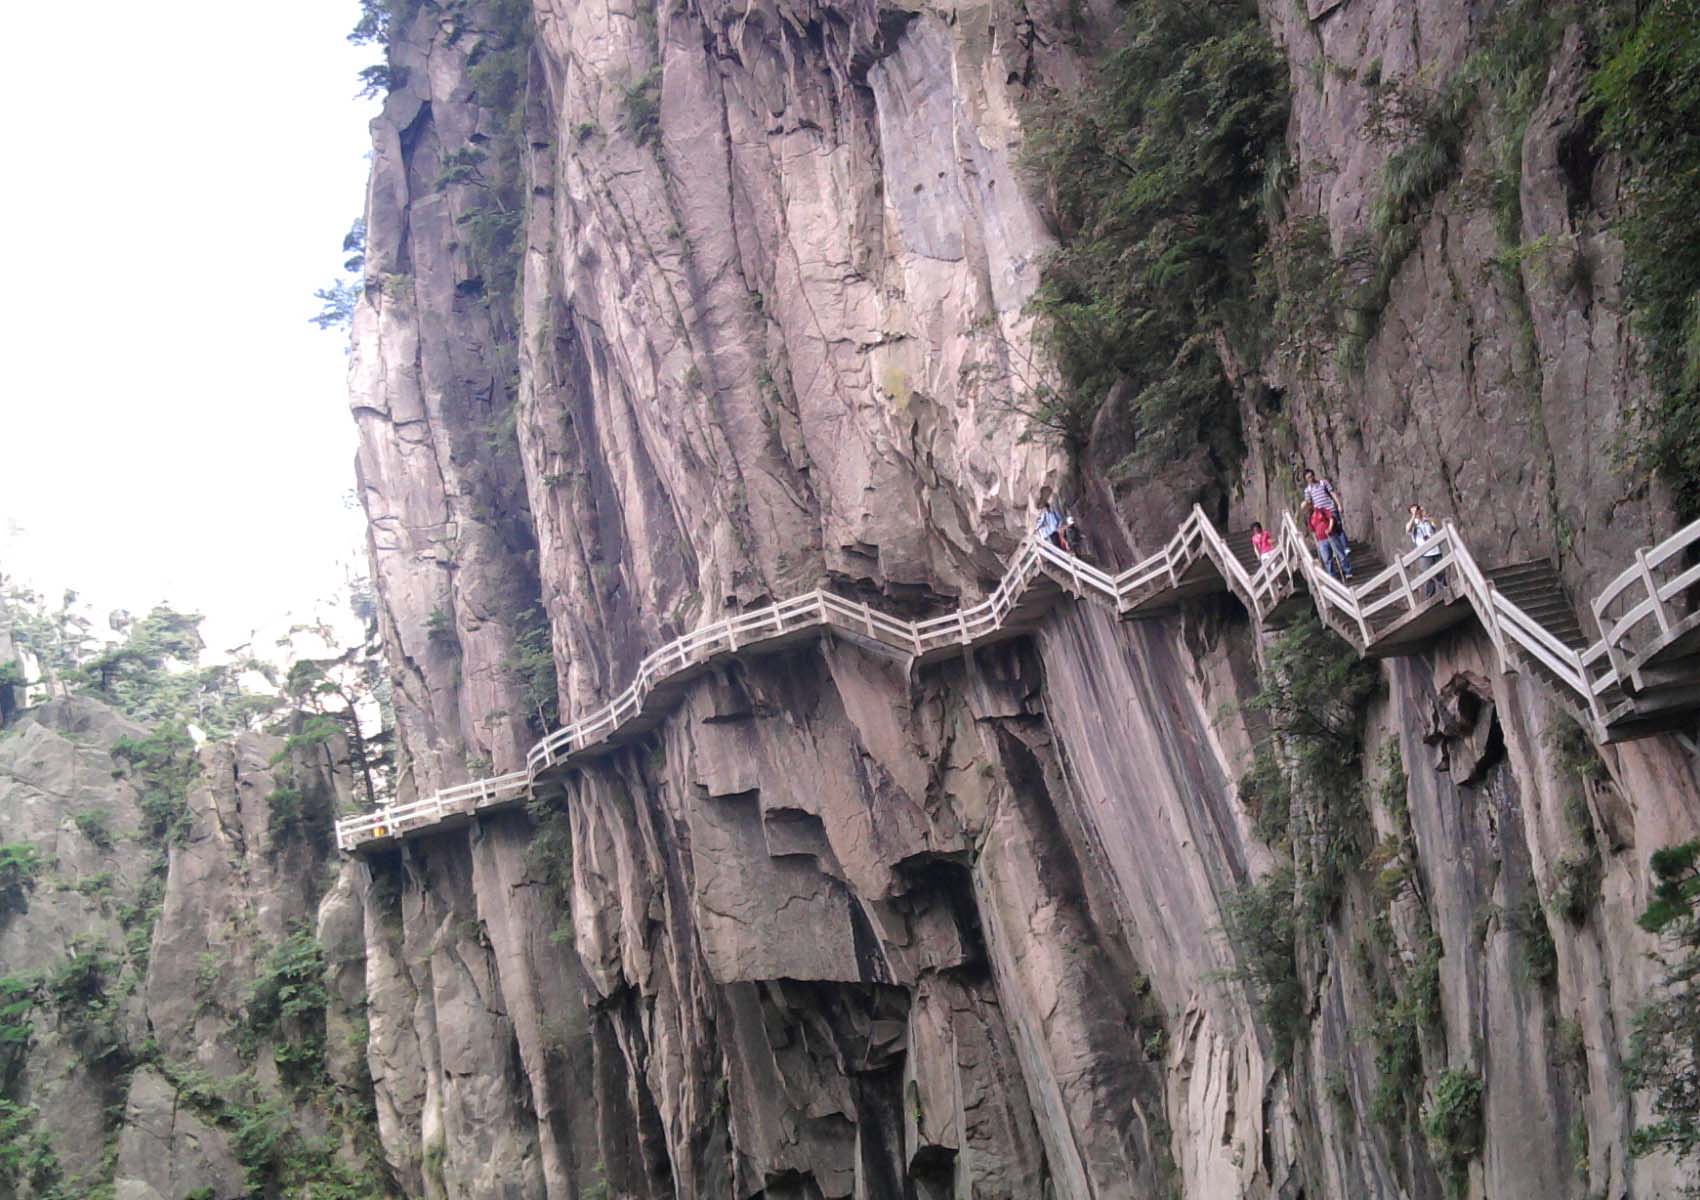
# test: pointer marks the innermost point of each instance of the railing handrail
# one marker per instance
(1261, 589)
(1653, 556)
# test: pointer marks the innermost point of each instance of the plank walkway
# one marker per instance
(1642, 676)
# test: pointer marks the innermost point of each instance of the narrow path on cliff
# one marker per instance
(1640, 677)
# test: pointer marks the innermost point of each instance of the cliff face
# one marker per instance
(839, 929)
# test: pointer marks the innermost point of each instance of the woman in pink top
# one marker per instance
(1261, 541)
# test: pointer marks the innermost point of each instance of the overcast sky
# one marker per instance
(179, 178)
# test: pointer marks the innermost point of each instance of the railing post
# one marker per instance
(1652, 591)
(1405, 584)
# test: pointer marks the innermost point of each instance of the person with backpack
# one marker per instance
(1421, 531)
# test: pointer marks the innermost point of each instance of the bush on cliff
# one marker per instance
(1155, 172)
(1305, 786)
(1453, 1124)
(1259, 923)
(1665, 1045)
(19, 863)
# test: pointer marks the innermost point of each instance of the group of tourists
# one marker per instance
(1061, 531)
(1324, 515)
(1321, 512)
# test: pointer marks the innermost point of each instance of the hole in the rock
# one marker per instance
(933, 1172)
(948, 881)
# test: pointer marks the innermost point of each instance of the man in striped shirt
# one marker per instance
(1321, 495)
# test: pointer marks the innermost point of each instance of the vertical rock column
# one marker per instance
(432, 385)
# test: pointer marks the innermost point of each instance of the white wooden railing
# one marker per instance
(1363, 611)
(1652, 601)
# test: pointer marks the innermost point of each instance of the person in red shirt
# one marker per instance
(1330, 543)
(1261, 541)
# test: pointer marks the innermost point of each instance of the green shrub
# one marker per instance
(1573, 750)
(316, 730)
(494, 230)
(1575, 886)
(1259, 923)
(1647, 94)
(1453, 1123)
(165, 766)
(95, 887)
(1157, 170)
(20, 862)
(18, 998)
(379, 17)
(440, 625)
(641, 102)
(1313, 694)
(96, 826)
(1267, 796)
(283, 815)
(80, 989)
(1303, 287)
(1402, 1014)
(287, 1006)
(1528, 920)
(532, 665)
(26, 1156)
(1664, 1054)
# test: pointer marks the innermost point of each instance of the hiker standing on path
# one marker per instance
(1049, 528)
(1321, 496)
(1421, 531)
(1330, 545)
(1261, 541)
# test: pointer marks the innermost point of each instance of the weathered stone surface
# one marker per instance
(166, 1150)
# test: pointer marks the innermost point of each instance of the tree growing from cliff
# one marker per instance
(338, 300)
(378, 18)
(349, 691)
(58, 637)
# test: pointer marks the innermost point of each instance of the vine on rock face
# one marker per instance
(495, 227)
(1308, 769)
(1648, 96)
(1304, 791)
(1155, 173)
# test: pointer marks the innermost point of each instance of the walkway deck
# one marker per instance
(1641, 677)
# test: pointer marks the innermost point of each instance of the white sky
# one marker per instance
(178, 181)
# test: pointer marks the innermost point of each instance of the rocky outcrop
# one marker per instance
(843, 929)
(133, 952)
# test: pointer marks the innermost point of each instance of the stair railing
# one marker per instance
(1589, 673)
(1651, 589)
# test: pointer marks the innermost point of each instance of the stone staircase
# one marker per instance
(1537, 589)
